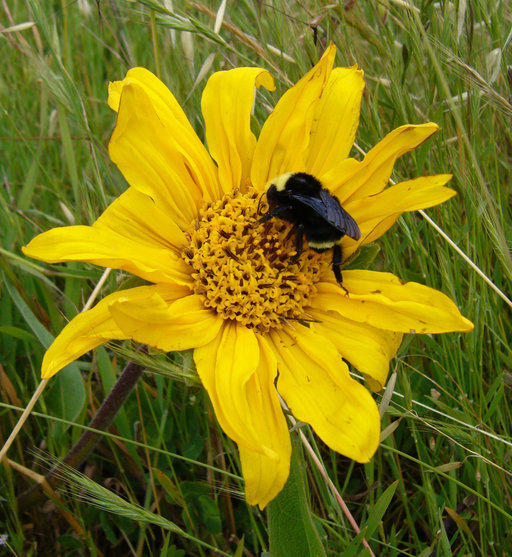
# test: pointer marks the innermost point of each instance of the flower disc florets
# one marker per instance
(245, 269)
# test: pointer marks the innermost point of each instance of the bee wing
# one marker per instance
(329, 208)
(351, 227)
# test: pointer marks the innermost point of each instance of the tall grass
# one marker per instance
(451, 446)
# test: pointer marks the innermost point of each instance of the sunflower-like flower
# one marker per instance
(261, 322)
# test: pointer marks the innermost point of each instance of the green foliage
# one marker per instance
(173, 478)
(291, 526)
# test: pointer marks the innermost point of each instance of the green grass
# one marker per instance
(450, 452)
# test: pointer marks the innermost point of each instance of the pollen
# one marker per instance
(245, 270)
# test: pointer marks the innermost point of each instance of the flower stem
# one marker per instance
(330, 483)
(291, 526)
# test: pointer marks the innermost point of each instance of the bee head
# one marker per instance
(279, 183)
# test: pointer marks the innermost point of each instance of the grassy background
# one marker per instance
(451, 449)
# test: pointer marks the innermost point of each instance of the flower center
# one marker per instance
(245, 270)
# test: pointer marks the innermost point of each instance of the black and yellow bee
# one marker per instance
(300, 199)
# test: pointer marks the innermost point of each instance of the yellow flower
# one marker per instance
(225, 285)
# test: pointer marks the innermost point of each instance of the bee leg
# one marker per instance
(299, 242)
(277, 212)
(259, 203)
(337, 260)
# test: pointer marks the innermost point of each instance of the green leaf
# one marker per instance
(203, 508)
(363, 257)
(44, 337)
(16, 332)
(290, 522)
(66, 396)
(376, 513)
(240, 548)
(170, 487)
(378, 510)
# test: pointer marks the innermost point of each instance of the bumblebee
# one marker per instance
(300, 199)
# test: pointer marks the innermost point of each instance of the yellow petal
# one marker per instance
(384, 301)
(352, 180)
(377, 213)
(96, 326)
(367, 348)
(316, 385)
(154, 159)
(239, 381)
(265, 476)
(336, 120)
(180, 325)
(226, 104)
(163, 101)
(284, 138)
(136, 216)
(105, 247)
(173, 118)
